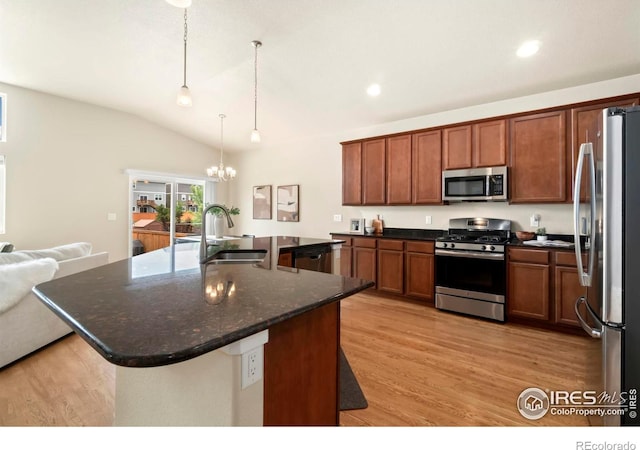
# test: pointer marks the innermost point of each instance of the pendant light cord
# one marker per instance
(185, 48)
(256, 44)
(222, 116)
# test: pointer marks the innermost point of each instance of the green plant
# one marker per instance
(179, 212)
(232, 211)
(163, 215)
(541, 231)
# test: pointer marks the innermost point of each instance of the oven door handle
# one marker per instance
(466, 254)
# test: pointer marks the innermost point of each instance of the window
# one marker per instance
(158, 197)
(183, 197)
(142, 198)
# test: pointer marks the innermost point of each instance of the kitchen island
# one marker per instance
(181, 333)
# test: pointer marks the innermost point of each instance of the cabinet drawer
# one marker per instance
(531, 256)
(348, 240)
(569, 259)
(364, 242)
(420, 247)
(387, 244)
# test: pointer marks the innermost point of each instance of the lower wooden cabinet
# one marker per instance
(401, 267)
(543, 285)
(528, 291)
(364, 259)
(420, 270)
(391, 266)
(567, 288)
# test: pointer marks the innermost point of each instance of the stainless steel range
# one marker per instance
(471, 272)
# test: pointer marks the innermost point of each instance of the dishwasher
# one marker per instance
(313, 258)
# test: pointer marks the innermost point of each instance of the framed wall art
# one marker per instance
(288, 209)
(262, 202)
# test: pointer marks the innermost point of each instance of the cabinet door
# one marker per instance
(399, 170)
(391, 271)
(352, 174)
(420, 274)
(528, 293)
(538, 158)
(373, 172)
(456, 148)
(364, 263)
(586, 126)
(427, 167)
(567, 291)
(490, 143)
(345, 260)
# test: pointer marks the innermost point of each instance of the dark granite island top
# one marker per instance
(163, 307)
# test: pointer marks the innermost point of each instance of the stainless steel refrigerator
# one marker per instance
(607, 228)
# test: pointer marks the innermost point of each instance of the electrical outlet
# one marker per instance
(251, 366)
(428, 220)
(337, 217)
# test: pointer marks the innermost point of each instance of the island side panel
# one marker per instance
(301, 369)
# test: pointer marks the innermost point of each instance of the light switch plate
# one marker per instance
(337, 217)
(428, 220)
(111, 216)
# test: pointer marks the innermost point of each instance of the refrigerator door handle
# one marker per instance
(593, 332)
(586, 150)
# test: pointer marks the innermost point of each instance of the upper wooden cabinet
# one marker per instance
(456, 148)
(352, 174)
(538, 158)
(399, 169)
(374, 173)
(490, 143)
(586, 126)
(426, 167)
(541, 150)
(482, 144)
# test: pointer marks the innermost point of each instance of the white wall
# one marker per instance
(316, 165)
(65, 169)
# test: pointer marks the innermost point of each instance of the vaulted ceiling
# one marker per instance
(317, 58)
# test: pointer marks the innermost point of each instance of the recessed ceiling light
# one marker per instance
(529, 48)
(373, 90)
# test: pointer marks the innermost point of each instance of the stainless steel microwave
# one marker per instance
(480, 184)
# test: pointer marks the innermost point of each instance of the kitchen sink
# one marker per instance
(237, 256)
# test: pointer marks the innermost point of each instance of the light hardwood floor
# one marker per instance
(416, 365)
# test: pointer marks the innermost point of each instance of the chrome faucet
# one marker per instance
(203, 240)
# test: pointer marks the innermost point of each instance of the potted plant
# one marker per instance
(219, 221)
(541, 234)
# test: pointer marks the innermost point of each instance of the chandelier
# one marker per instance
(221, 172)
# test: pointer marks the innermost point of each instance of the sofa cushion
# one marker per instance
(16, 280)
(59, 253)
(11, 258)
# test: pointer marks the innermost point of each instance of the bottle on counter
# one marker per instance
(377, 225)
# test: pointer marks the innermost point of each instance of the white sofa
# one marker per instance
(26, 324)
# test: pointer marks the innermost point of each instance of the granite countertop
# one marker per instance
(411, 234)
(163, 307)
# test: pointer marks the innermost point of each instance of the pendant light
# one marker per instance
(255, 134)
(184, 95)
(221, 172)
